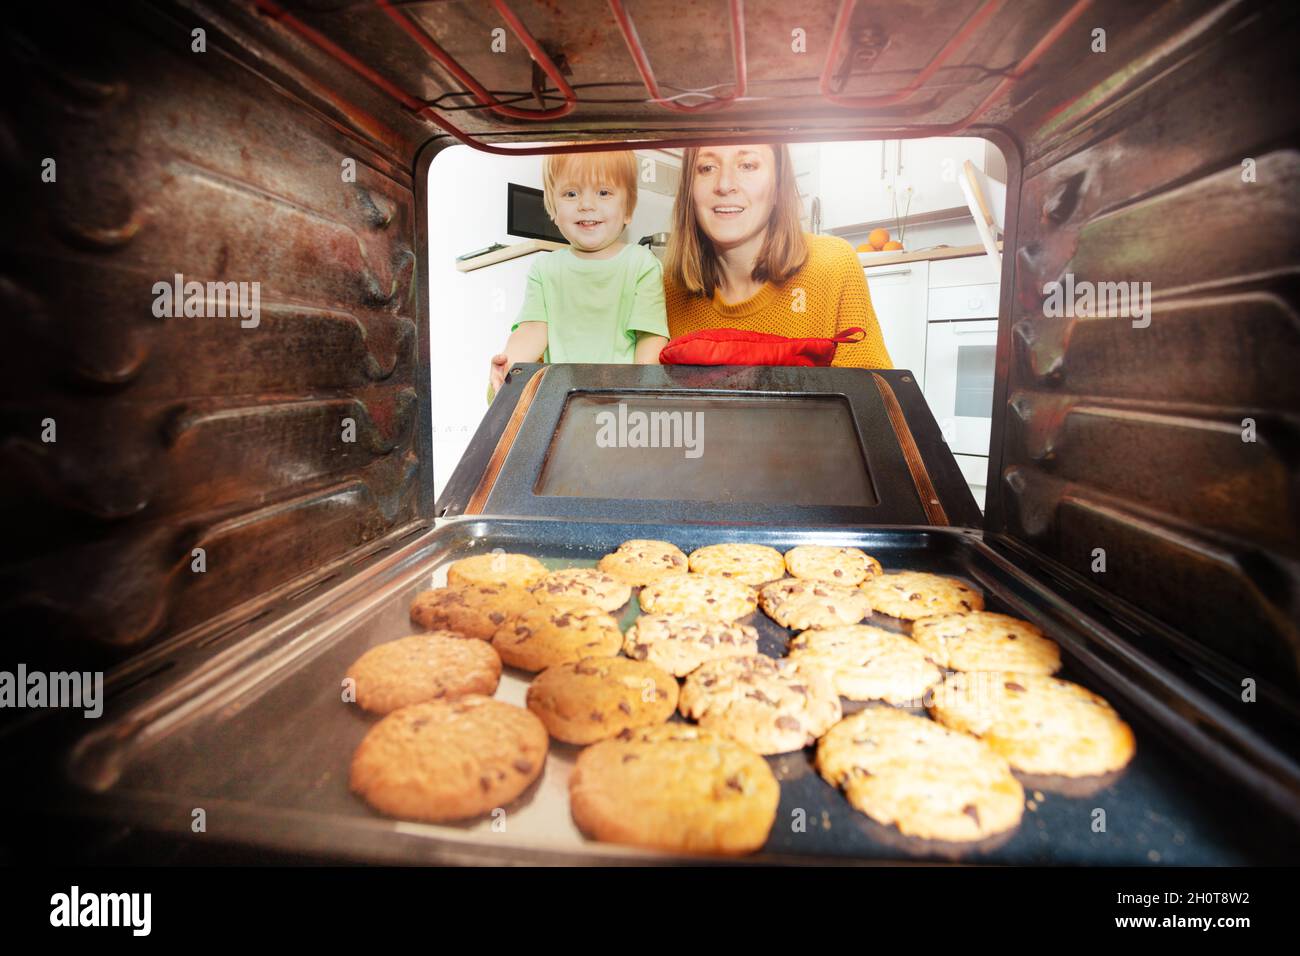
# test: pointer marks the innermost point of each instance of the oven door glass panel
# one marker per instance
(796, 450)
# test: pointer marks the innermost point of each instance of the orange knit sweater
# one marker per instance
(834, 297)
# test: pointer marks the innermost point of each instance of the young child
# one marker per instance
(600, 299)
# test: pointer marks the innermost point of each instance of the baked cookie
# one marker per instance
(516, 570)
(586, 585)
(1041, 724)
(803, 604)
(640, 561)
(914, 594)
(985, 641)
(449, 760)
(679, 643)
(674, 787)
(557, 633)
(698, 595)
(771, 706)
(470, 610)
(929, 781)
(748, 563)
(867, 663)
(819, 562)
(423, 667)
(598, 697)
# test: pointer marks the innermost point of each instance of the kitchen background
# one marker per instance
(936, 298)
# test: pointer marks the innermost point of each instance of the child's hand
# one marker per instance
(498, 376)
(529, 339)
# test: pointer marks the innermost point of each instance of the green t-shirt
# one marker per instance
(593, 308)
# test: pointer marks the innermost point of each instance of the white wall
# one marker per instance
(470, 313)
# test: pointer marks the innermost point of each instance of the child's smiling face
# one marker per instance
(591, 215)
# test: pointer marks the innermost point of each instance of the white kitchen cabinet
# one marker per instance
(898, 296)
(931, 169)
(967, 270)
(857, 181)
(852, 181)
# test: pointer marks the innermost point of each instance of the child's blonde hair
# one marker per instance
(617, 168)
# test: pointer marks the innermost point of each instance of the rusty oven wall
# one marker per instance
(181, 433)
(1130, 439)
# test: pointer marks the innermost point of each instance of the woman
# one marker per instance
(737, 258)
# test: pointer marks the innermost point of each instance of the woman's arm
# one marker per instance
(648, 347)
(526, 344)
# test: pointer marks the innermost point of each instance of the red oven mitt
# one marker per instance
(738, 347)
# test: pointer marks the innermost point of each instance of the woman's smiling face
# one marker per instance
(733, 192)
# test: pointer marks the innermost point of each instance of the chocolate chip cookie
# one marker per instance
(699, 596)
(817, 562)
(449, 760)
(557, 633)
(586, 585)
(985, 641)
(802, 604)
(868, 663)
(640, 561)
(674, 787)
(771, 706)
(679, 643)
(515, 570)
(470, 610)
(423, 667)
(752, 564)
(926, 779)
(1041, 724)
(598, 697)
(914, 594)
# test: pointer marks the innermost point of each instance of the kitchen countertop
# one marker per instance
(525, 248)
(943, 252)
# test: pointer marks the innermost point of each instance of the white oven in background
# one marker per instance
(959, 373)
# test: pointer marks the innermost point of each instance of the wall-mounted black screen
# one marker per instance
(526, 214)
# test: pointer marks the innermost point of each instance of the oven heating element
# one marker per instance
(843, 21)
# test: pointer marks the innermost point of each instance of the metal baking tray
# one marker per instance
(253, 731)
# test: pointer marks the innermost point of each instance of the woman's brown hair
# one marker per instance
(692, 263)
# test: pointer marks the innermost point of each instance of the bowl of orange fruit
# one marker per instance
(878, 245)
